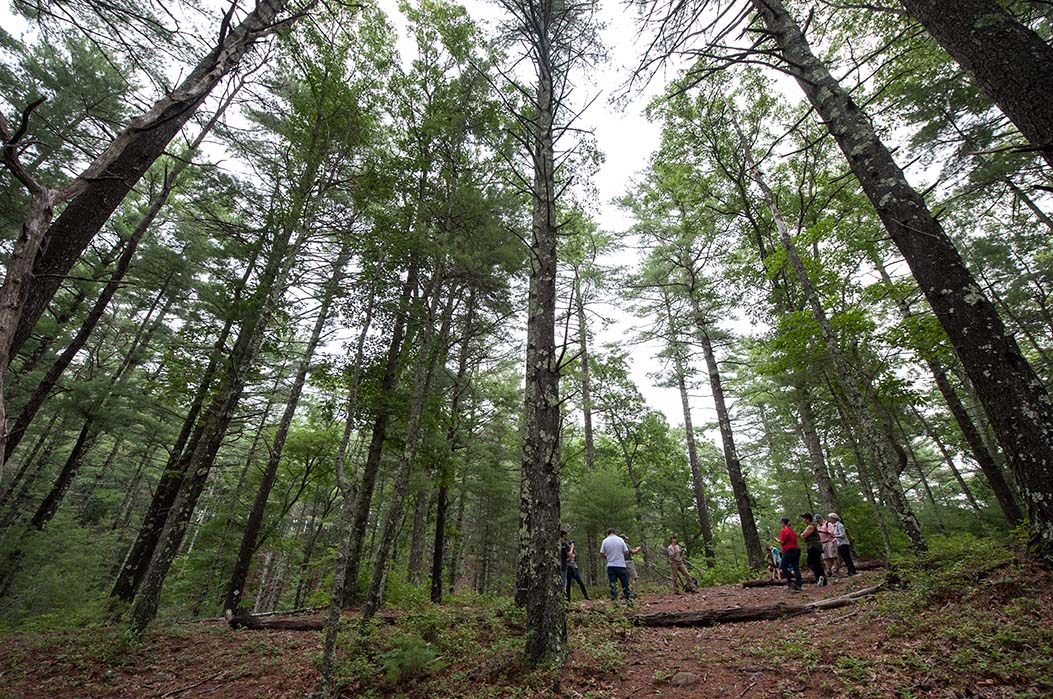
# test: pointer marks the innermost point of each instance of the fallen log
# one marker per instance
(731, 615)
(768, 582)
(255, 622)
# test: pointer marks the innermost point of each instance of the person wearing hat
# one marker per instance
(844, 547)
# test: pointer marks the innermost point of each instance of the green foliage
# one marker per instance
(409, 657)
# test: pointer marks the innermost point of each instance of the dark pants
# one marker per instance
(815, 563)
(846, 555)
(615, 575)
(574, 574)
(791, 563)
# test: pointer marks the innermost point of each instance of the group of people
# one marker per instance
(827, 548)
(621, 569)
(825, 538)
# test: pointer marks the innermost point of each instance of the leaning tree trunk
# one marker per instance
(427, 358)
(109, 178)
(157, 202)
(346, 514)
(879, 449)
(453, 442)
(810, 436)
(699, 488)
(743, 501)
(1012, 64)
(197, 464)
(135, 563)
(239, 575)
(364, 487)
(1013, 396)
(90, 434)
(991, 470)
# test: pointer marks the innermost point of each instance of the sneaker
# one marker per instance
(795, 589)
(821, 581)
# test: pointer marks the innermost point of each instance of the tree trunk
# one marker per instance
(1009, 62)
(743, 501)
(880, 450)
(453, 441)
(949, 460)
(104, 184)
(428, 356)
(157, 202)
(346, 515)
(699, 488)
(239, 575)
(363, 496)
(415, 564)
(538, 571)
(810, 437)
(139, 554)
(197, 463)
(990, 468)
(1013, 396)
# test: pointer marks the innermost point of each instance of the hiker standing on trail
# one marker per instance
(614, 549)
(814, 549)
(676, 564)
(774, 561)
(844, 547)
(791, 556)
(573, 573)
(630, 566)
(831, 561)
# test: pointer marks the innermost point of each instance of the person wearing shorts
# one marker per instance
(831, 559)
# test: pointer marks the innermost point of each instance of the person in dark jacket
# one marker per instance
(814, 549)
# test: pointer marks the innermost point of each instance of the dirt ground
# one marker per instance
(848, 651)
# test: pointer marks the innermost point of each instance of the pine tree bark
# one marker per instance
(743, 501)
(810, 437)
(139, 554)
(326, 685)
(453, 441)
(879, 446)
(990, 469)
(1013, 396)
(363, 488)
(104, 184)
(699, 488)
(239, 575)
(538, 571)
(1008, 61)
(431, 343)
(197, 463)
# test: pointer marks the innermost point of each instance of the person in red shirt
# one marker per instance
(791, 556)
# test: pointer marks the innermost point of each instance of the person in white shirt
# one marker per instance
(614, 549)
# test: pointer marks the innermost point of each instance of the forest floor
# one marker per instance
(967, 629)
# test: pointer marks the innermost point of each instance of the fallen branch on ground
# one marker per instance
(256, 622)
(711, 617)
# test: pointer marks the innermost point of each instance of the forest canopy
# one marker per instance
(318, 304)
